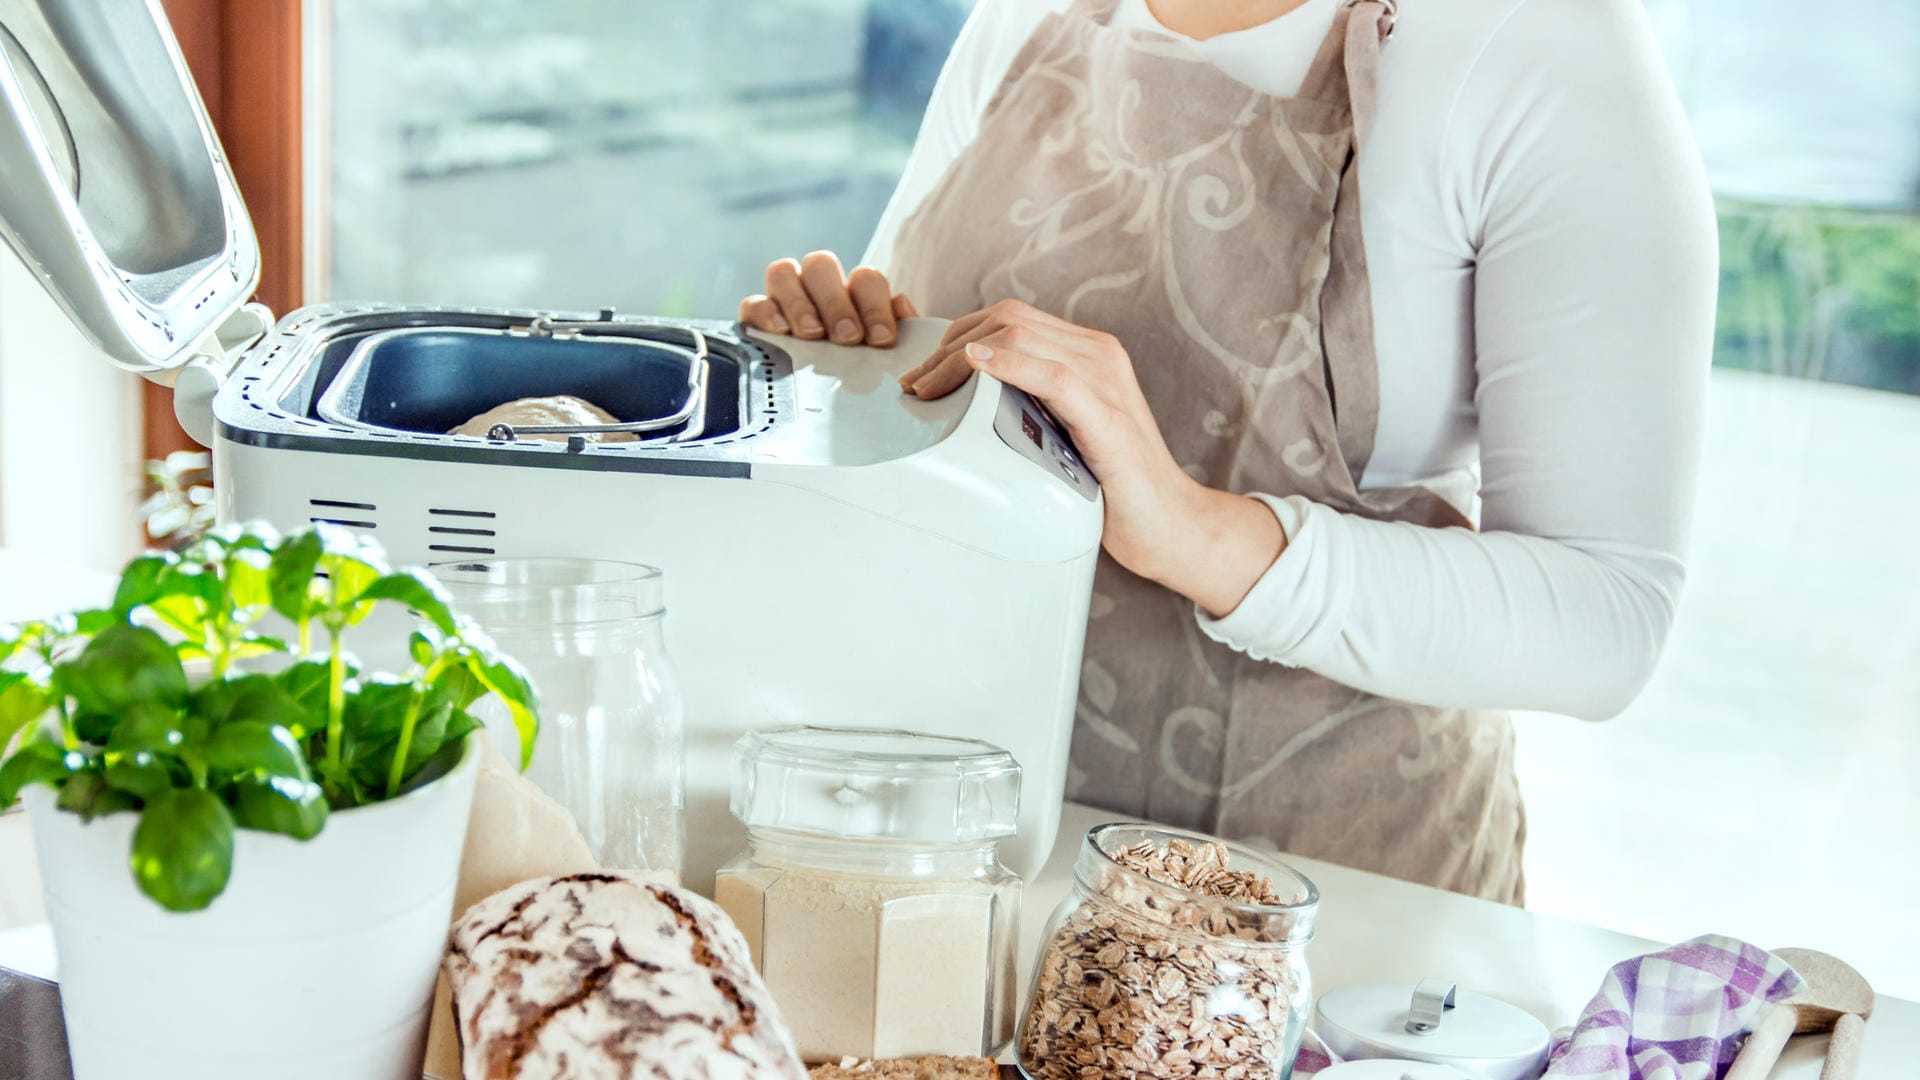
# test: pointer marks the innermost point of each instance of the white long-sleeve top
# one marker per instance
(1543, 260)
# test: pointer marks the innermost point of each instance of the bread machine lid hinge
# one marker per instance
(198, 381)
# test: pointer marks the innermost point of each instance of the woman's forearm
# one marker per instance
(1219, 546)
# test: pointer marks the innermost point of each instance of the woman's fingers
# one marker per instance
(1057, 386)
(761, 313)
(787, 290)
(903, 307)
(873, 299)
(1012, 330)
(827, 286)
(941, 379)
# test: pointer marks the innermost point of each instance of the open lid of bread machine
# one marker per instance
(113, 187)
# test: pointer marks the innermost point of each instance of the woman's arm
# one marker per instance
(1593, 315)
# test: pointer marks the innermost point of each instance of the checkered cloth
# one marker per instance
(1678, 1014)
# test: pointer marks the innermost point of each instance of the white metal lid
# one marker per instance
(875, 784)
(1484, 1037)
(113, 188)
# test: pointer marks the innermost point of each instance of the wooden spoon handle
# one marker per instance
(1763, 1047)
(1843, 1051)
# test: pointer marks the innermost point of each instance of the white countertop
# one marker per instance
(1376, 929)
(1371, 928)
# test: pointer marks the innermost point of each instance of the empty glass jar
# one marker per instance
(590, 633)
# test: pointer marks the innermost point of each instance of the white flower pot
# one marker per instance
(317, 963)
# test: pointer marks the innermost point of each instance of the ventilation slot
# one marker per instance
(460, 525)
(352, 515)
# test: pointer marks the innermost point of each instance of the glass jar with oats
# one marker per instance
(1176, 955)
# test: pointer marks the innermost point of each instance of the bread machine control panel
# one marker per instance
(1032, 432)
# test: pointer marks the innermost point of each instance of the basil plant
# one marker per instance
(147, 708)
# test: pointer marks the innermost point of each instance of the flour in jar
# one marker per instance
(871, 967)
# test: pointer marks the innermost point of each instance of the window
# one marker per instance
(641, 154)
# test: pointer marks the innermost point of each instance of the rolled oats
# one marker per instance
(1170, 964)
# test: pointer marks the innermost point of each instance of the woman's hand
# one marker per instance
(1208, 545)
(813, 298)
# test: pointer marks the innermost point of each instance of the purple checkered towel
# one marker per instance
(1678, 1014)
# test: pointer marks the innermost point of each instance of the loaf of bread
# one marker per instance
(560, 410)
(600, 976)
(516, 832)
(919, 1068)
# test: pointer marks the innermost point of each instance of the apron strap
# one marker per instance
(1346, 70)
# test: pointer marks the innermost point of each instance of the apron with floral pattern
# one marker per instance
(1122, 182)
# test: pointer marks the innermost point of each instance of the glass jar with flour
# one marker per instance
(871, 891)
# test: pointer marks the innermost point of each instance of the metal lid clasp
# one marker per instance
(1431, 1000)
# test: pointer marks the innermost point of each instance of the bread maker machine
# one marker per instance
(834, 552)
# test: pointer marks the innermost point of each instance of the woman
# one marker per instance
(1311, 302)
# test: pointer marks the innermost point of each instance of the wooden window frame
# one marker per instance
(247, 59)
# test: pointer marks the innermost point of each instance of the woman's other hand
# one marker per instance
(814, 298)
(1209, 545)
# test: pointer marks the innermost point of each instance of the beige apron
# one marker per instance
(1122, 182)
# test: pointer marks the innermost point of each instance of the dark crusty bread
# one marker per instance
(920, 1068)
(598, 976)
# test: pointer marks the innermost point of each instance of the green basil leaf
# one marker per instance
(280, 804)
(140, 774)
(306, 683)
(419, 591)
(184, 613)
(146, 726)
(290, 578)
(36, 762)
(89, 623)
(377, 709)
(508, 681)
(122, 665)
(458, 685)
(420, 647)
(252, 645)
(249, 581)
(143, 581)
(22, 701)
(183, 848)
(250, 747)
(258, 697)
(87, 794)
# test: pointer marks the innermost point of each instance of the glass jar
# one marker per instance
(590, 634)
(871, 893)
(1139, 975)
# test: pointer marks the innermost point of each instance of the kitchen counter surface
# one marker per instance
(1371, 928)
(1375, 929)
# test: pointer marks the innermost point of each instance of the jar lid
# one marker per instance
(875, 784)
(1433, 1021)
